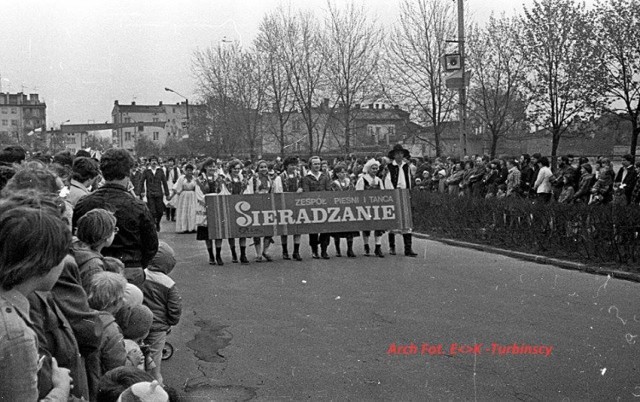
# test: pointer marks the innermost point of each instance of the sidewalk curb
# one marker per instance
(574, 266)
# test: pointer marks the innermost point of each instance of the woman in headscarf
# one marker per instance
(369, 180)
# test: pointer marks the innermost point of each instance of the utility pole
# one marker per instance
(462, 92)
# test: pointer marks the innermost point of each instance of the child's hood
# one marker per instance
(164, 260)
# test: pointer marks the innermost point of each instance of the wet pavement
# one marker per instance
(440, 326)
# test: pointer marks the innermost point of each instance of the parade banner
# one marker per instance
(258, 215)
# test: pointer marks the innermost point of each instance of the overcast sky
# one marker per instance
(82, 55)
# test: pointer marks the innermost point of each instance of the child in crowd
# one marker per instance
(33, 244)
(162, 297)
(106, 294)
(116, 381)
(135, 322)
(96, 230)
(132, 293)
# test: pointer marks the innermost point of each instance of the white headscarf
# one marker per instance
(367, 166)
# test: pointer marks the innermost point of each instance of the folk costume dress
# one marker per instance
(236, 185)
(186, 205)
(343, 185)
(289, 183)
(261, 184)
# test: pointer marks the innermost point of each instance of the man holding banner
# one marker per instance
(399, 177)
(315, 180)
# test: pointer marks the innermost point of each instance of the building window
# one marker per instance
(127, 119)
(5, 122)
(174, 110)
(127, 136)
(4, 111)
(156, 136)
(155, 119)
(14, 122)
(36, 113)
(14, 110)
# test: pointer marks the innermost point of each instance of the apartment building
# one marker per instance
(20, 114)
(173, 115)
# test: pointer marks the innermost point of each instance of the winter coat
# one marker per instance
(137, 240)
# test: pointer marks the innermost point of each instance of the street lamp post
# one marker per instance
(186, 103)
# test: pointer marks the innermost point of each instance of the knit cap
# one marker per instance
(144, 392)
(135, 321)
(133, 295)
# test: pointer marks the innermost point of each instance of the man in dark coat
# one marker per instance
(155, 182)
(399, 177)
(315, 180)
(626, 178)
(136, 242)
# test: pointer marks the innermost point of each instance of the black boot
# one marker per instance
(218, 256)
(336, 241)
(234, 255)
(173, 214)
(408, 250)
(367, 250)
(392, 244)
(285, 249)
(296, 252)
(212, 260)
(378, 251)
(243, 255)
(314, 252)
(350, 252)
(323, 253)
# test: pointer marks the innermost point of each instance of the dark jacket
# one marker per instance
(310, 183)
(136, 242)
(56, 339)
(155, 183)
(160, 293)
(89, 263)
(629, 181)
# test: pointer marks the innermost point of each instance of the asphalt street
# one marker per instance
(440, 326)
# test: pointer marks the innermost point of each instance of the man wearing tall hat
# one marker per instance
(399, 176)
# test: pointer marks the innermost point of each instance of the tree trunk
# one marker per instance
(494, 145)
(436, 136)
(554, 146)
(347, 131)
(634, 137)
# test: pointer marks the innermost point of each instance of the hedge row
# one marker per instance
(603, 235)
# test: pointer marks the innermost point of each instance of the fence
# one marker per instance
(603, 235)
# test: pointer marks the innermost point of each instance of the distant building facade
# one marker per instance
(173, 115)
(20, 114)
(374, 128)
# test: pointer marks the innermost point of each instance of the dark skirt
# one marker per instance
(202, 233)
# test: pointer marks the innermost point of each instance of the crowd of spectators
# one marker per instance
(84, 316)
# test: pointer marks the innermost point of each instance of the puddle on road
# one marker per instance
(208, 342)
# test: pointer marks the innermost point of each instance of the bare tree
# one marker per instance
(495, 97)
(414, 72)
(352, 51)
(301, 54)
(618, 37)
(278, 91)
(231, 81)
(561, 61)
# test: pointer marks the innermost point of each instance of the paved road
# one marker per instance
(322, 329)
